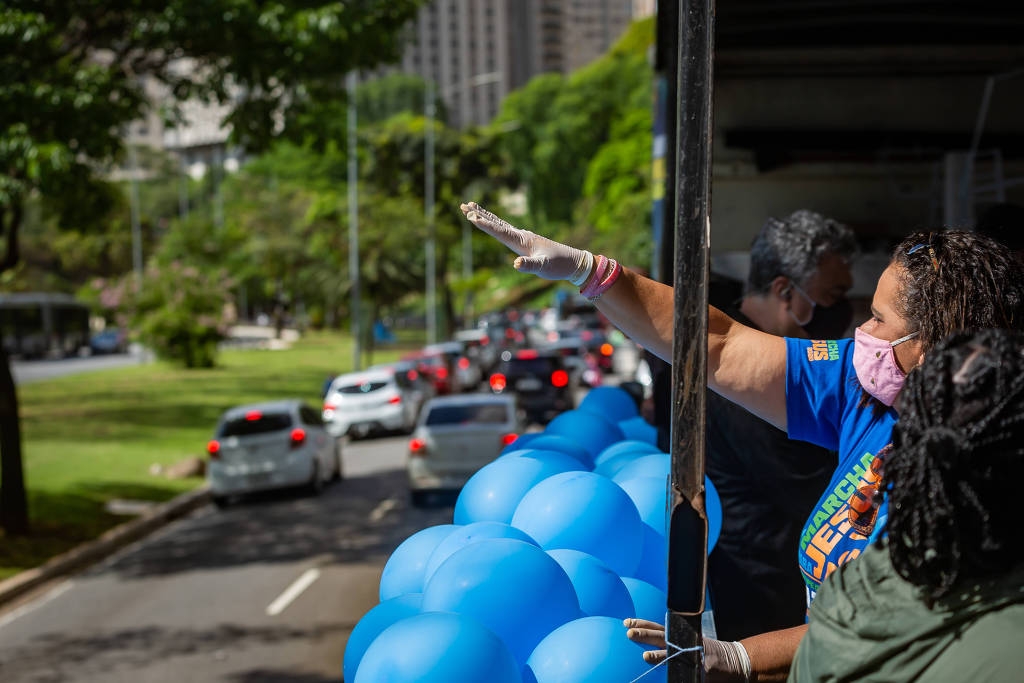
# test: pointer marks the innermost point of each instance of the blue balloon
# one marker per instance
(583, 511)
(494, 491)
(563, 444)
(437, 648)
(653, 465)
(371, 625)
(635, 448)
(653, 565)
(405, 570)
(713, 506)
(471, 533)
(567, 462)
(599, 589)
(613, 403)
(650, 602)
(521, 441)
(512, 587)
(589, 650)
(650, 495)
(592, 431)
(639, 429)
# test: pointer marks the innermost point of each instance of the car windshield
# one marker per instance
(488, 413)
(362, 388)
(256, 423)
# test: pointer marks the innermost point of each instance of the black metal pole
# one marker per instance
(688, 529)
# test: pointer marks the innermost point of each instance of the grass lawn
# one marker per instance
(93, 437)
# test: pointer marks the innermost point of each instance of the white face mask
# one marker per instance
(812, 302)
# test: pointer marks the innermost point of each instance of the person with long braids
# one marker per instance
(940, 597)
(839, 395)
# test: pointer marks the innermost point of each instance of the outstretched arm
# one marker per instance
(746, 366)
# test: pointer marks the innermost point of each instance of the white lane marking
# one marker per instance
(293, 591)
(32, 606)
(383, 508)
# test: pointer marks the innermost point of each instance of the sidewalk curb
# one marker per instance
(91, 552)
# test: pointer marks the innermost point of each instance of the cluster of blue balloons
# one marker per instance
(553, 544)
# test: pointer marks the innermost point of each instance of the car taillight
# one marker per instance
(298, 436)
(394, 400)
(498, 382)
(442, 373)
(417, 448)
(559, 378)
(330, 407)
(607, 349)
(213, 448)
(253, 416)
(506, 439)
(484, 341)
(463, 363)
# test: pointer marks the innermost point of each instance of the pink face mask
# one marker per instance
(875, 363)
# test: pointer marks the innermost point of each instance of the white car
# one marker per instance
(457, 435)
(271, 445)
(379, 399)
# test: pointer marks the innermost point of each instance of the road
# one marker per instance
(267, 590)
(28, 371)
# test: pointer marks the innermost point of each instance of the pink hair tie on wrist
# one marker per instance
(606, 272)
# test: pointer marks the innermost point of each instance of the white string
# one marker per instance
(678, 651)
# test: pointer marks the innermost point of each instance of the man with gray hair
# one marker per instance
(796, 287)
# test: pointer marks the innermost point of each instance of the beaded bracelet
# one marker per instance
(606, 272)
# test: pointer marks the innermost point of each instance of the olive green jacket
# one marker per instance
(868, 624)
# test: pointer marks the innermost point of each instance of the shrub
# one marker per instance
(181, 312)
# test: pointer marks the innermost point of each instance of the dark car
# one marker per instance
(541, 380)
(109, 341)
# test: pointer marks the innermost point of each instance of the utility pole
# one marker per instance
(428, 210)
(135, 209)
(218, 179)
(182, 178)
(353, 217)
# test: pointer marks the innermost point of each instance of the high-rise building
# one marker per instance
(477, 51)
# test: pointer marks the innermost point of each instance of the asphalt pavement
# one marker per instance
(267, 590)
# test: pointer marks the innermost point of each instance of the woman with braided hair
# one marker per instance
(941, 596)
(839, 395)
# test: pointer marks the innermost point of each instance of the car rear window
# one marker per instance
(486, 413)
(362, 388)
(256, 424)
(530, 366)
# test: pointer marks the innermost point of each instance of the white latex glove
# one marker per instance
(537, 255)
(724, 661)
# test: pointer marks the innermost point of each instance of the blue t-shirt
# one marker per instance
(823, 406)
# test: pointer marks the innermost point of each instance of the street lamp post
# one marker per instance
(430, 112)
(135, 209)
(467, 231)
(353, 217)
(428, 210)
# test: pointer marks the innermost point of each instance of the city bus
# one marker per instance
(43, 325)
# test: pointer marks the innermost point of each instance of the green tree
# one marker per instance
(468, 166)
(556, 125)
(381, 98)
(181, 312)
(72, 75)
